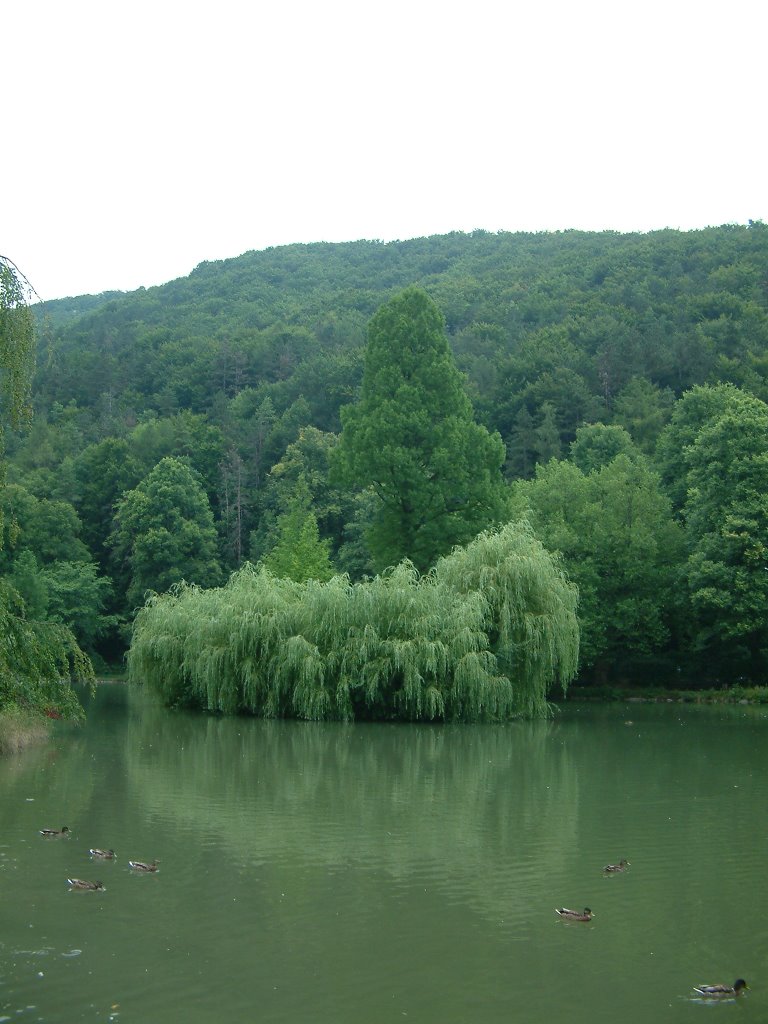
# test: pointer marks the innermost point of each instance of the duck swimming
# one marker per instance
(140, 865)
(51, 833)
(103, 854)
(80, 883)
(612, 868)
(721, 991)
(575, 915)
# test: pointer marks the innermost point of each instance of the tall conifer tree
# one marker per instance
(412, 438)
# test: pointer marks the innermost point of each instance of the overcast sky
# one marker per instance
(141, 139)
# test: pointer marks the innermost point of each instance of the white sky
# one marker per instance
(140, 139)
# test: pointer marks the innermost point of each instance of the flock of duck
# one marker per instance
(707, 991)
(96, 854)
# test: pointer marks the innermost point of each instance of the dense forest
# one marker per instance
(182, 431)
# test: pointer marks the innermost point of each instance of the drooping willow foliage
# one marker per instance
(37, 659)
(482, 637)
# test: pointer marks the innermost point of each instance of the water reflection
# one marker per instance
(338, 873)
(469, 808)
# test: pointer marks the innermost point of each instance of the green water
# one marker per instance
(339, 874)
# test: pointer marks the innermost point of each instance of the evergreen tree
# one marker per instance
(546, 443)
(299, 554)
(412, 438)
(522, 442)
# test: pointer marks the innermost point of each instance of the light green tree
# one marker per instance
(299, 554)
(412, 438)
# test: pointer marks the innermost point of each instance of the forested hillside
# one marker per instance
(183, 430)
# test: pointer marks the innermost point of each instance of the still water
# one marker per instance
(340, 874)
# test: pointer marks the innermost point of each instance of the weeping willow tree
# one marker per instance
(483, 637)
(37, 659)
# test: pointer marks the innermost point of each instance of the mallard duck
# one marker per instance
(575, 915)
(80, 883)
(612, 868)
(140, 865)
(103, 854)
(51, 833)
(721, 991)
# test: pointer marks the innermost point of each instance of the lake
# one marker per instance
(340, 874)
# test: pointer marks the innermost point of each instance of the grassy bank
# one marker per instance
(19, 729)
(652, 694)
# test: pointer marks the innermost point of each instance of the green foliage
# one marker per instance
(546, 443)
(299, 554)
(614, 529)
(243, 369)
(727, 518)
(482, 638)
(696, 408)
(164, 531)
(37, 658)
(50, 529)
(17, 333)
(643, 409)
(597, 444)
(104, 471)
(77, 597)
(412, 438)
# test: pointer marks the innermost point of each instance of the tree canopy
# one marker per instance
(413, 439)
(483, 637)
(37, 657)
(575, 348)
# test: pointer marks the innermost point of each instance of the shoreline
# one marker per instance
(20, 729)
(653, 695)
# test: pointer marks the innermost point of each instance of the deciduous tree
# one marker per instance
(164, 532)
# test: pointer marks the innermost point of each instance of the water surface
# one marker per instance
(335, 874)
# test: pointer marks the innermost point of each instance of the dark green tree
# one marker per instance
(37, 658)
(104, 472)
(698, 407)
(615, 530)
(521, 446)
(726, 512)
(164, 532)
(597, 444)
(412, 438)
(546, 443)
(643, 409)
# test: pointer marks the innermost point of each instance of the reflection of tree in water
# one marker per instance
(56, 767)
(479, 808)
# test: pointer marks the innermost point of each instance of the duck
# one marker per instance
(80, 883)
(721, 991)
(51, 833)
(140, 865)
(575, 915)
(612, 868)
(103, 854)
